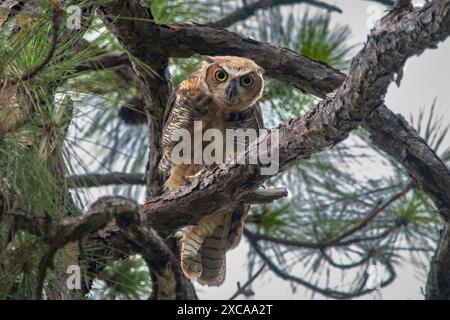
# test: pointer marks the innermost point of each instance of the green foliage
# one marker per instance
(319, 40)
(175, 11)
(127, 279)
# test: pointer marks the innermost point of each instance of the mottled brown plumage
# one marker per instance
(223, 93)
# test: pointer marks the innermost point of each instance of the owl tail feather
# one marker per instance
(203, 249)
(213, 254)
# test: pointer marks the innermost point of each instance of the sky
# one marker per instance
(425, 78)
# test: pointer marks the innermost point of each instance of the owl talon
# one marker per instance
(187, 180)
(191, 269)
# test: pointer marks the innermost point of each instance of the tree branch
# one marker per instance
(328, 292)
(392, 134)
(250, 9)
(96, 180)
(169, 281)
(438, 284)
(337, 241)
(243, 289)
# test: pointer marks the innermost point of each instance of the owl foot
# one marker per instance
(187, 180)
(192, 269)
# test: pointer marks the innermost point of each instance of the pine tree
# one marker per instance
(82, 95)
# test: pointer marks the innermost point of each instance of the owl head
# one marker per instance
(234, 83)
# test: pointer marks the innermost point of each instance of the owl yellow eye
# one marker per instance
(247, 81)
(221, 75)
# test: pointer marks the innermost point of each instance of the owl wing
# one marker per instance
(169, 106)
(169, 121)
(258, 116)
(180, 113)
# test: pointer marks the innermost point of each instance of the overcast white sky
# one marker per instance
(425, 78)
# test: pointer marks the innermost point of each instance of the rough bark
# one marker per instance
(393, 135)
(169, 281)
(438, 285)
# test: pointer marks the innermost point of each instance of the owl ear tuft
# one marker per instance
(260, 70)
(210, 59)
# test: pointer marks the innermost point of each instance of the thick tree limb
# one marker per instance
(250, 9)
(438, 284)
(169, 281)
(264, 195)
(393, 135)
(184, 40)
(125, 19)
(388, 47)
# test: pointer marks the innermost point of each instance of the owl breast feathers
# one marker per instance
(222, 94)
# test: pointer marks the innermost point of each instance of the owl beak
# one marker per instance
(231, 90)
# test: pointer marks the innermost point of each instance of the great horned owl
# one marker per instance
(223, 94)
